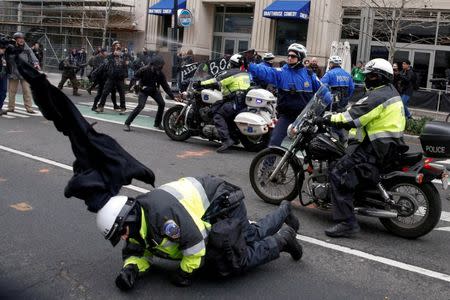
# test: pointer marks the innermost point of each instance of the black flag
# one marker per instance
(101, 166)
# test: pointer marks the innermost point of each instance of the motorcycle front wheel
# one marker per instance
(415, 219)
(285, 184)
(174, 125)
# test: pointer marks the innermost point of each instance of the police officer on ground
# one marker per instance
(150, 78)
(70, 70)
(117, 71)
(377, 126)
(192, 220)
(296, 86)
(234, 84)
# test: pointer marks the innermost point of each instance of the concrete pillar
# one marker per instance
(263, 30)
(199, 36)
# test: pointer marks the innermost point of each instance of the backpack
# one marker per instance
(61, 65)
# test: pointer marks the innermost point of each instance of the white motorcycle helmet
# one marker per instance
(380, 67)
(112, 216)
(335, 59)
(301, 52)
(235, 60)
(268, 56)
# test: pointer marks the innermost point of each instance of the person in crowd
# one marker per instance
(117, 71)
(357, 73)
(128, 57)
(69, 72)
(188, 58)
(234, 83)
(81, 61)
(14, 77)
(95, 62)
(99, 76)
(196, 221)
(296, 86)
(397, 80)
(38, 53)
(266, 60)
(377, 125)
(306, 63)
(408, 81)
(150, 78)
(315, 67)
(3, 77)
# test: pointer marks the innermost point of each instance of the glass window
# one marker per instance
(379, 52)
(400, 56)
(238, 23)
(417, 32)
(380, 31)
(217, 47)
(350, 28)
(288, 32)
(444, 34)
(442, 65)
(218, 23)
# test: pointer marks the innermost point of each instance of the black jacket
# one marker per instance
(150, 79)
(101, 166)
(117, 68)
(408, 79)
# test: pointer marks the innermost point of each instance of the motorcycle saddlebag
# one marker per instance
(251, 124)
(435, 139)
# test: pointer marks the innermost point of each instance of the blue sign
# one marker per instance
(185, 17)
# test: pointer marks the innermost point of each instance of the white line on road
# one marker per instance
(358, 253)
(443, 228)
(17, 115)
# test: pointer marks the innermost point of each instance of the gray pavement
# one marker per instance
(52, 250)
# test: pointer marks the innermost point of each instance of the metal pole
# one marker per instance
(174, 42)
(146, 24)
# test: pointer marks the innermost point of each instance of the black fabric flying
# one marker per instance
(101, 166)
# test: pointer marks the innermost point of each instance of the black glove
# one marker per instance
(127, 277)
(181, 278)
(323, 121)
(196, 85)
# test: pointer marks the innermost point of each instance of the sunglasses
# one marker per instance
(292, 56)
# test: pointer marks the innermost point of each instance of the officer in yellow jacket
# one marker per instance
(177, 220)
(377, 123)
(234, 83)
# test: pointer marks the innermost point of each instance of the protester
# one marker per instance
(70, 69)
(81, 61)
(38, 53)
(397, 80)
(408, 81)
(357, 73)
(3, 78)
(315, 68)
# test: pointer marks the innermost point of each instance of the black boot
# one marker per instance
(225, 146)
(287, 242)
(343, 229)
(290, 220)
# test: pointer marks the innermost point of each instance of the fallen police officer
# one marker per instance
(196, 221)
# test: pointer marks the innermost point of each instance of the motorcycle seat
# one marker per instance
(410, 158)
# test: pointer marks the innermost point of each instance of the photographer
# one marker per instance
(70, 70)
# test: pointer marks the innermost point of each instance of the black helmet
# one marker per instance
(18, 35)
(157, 61)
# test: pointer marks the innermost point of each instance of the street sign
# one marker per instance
(185, 17)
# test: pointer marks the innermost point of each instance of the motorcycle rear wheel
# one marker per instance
(255, 143)
(177, 131)
(427, 214)
(284, 187)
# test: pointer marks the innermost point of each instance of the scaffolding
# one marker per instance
(59, 25)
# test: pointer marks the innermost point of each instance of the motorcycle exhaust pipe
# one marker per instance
(373, 212)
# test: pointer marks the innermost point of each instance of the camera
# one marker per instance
(6, 42)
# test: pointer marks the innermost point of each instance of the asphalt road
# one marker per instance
(51, 248)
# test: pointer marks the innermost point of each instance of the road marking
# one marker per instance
(445, 216)
(188, 154)
(443, 228)
(379, 259)
(358, 253)
(22, 206)
(13, 114)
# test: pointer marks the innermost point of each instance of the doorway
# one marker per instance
(234, 45)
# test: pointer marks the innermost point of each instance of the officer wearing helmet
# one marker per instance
(296, 86)
(340, 82)
(267, 59)
(195, 220)
(234, 84)
(377, 123)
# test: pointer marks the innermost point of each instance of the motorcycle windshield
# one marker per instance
(318, 104)
(201, 74)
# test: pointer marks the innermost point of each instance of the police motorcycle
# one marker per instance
(405, 200)
(194, 117)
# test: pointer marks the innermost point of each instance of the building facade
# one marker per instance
(226, 27)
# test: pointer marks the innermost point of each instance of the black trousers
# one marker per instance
(73, 80)
(224, 117)
(142, 99)
(110, 86)
(357, 168)
(261, 245)
(101, 87)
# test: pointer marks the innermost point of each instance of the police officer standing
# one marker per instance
(296, 86)
(234, 84)
(340, 82)
(117, 71)
(150, 78)
(378, 123)
(192, 220)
